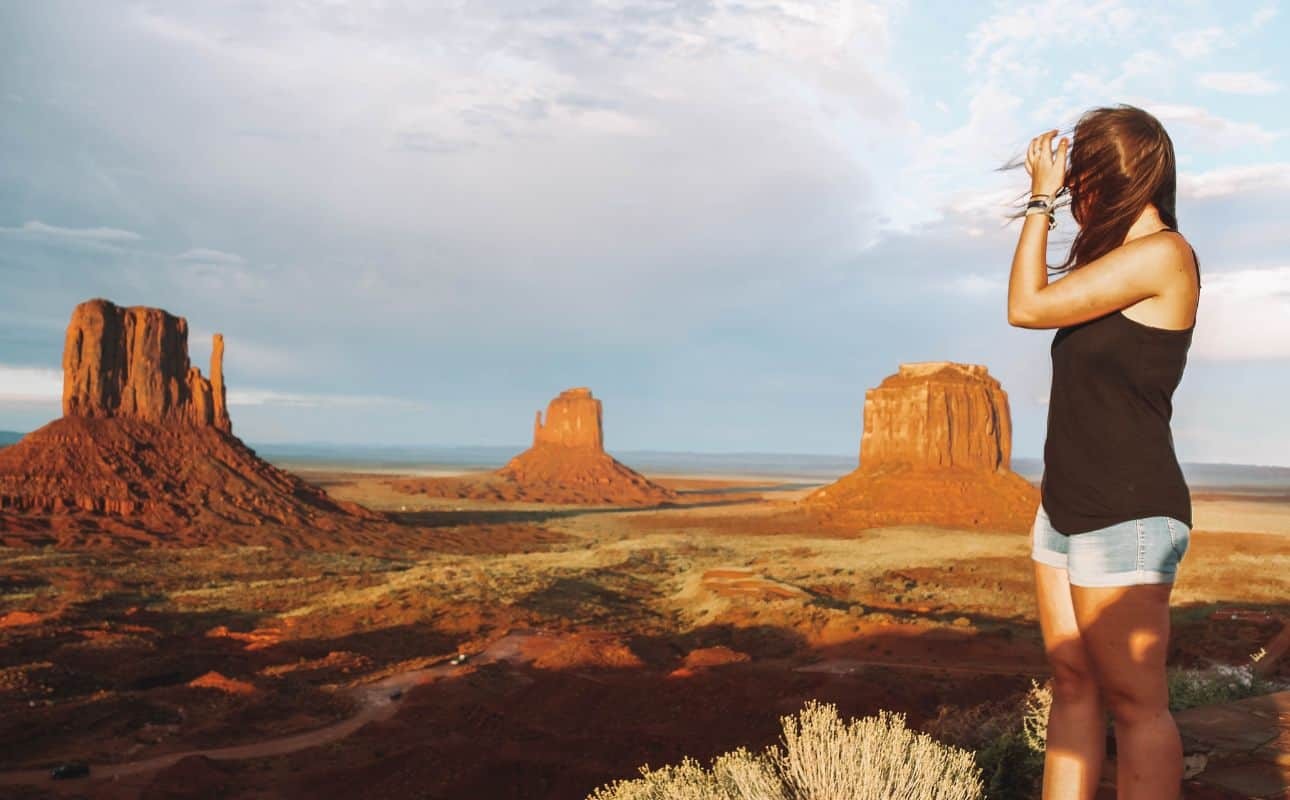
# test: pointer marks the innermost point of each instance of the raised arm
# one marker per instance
(1122, 277)
(1129, 273)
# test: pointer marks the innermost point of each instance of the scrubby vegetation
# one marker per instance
(1189, 688)
(1007, 737)
(819, 757)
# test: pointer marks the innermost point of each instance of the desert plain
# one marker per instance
(656, 634)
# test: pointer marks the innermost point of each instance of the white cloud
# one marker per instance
(1198, 43)
(270, 397)
(999, 40)
(206, 255)
(43, 387)
(217, 276)
(1244, 315)
(36, 228)
(30, 386)
(1227, 181)
(1216, 130)
(1253, 83)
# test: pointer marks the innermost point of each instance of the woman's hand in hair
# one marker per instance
(1047, 170)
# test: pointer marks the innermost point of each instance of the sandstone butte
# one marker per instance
(145, 448)
(566, 464)
(937, 450)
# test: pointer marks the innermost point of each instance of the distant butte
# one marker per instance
(936, 449)
(145, 450)
(567, 464)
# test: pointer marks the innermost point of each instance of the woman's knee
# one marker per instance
(1073, 678)
(1132, 704)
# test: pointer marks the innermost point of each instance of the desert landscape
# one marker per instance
(188, 620)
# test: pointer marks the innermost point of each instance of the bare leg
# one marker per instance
(1076, 745)
(1126, 632)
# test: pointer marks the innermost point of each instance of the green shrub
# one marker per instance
(1011, 769)
(819, 757)
(1189, 688)
(1008, 737)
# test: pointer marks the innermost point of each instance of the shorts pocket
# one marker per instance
(1179, 536)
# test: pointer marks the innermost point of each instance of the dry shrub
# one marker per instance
(745, 776)
(820, 757)
(1034, 715)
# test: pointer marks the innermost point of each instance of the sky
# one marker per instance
(415, 223)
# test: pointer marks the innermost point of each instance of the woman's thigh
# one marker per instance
(1063, 640)
(1057, 621)
(1125, 631)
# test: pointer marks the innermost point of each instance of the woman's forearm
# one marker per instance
(1030, 262)
(1029, 268)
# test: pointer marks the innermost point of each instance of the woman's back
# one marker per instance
(1109, 452)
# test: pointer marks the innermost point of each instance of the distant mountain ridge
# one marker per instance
(9, 437)
(796, 466)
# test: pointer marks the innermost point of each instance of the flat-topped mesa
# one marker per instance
(133, 362)
(936, 450)
(573, 419)
(934, 414)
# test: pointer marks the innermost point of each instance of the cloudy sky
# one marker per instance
(417, 222)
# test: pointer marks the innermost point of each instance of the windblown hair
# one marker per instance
(1121, 159)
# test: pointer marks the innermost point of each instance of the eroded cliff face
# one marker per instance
(937, 414)
(573, 419)
(133, 362)
(936, 449)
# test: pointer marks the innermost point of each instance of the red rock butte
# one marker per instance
(567, 464)
(145, 448)
(936, 449)
(573, 419)
(133, 362)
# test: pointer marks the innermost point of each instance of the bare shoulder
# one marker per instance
(1164, 252)
(1165, 244)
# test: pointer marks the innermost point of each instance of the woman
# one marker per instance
(1115, 514)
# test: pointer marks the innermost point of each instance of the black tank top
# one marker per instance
(1109, 452)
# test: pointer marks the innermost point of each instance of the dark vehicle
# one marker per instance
(70, 769)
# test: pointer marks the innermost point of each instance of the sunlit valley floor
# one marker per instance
(597, 640)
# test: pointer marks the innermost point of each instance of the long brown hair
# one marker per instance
(1121, 159)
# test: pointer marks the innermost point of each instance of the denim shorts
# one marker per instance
(1146, 550)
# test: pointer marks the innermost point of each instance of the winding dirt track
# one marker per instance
(377, 701)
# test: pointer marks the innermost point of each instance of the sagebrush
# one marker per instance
(819, 757)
